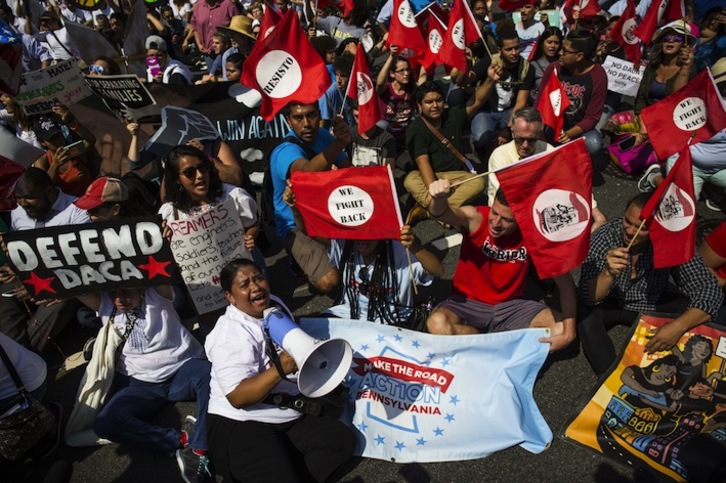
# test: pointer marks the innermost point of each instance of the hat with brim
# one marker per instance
(240, 24)
(679, 27)
(718, 71)
(103, 190)
(46, 128)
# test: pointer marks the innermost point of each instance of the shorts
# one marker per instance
(311, 255)
(509, 315)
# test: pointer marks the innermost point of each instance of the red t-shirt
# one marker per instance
(491, 270)
(717, 241)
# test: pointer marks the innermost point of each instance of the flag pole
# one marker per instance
(642, 223)
(347, 87)
(473, 177)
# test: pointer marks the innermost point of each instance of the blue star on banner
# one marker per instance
(400, 445)
(363, 426)
(445, 361)
(438, 431)
(416, 344)
(364, 347)
(398, 338)
(380, 338)
(380, 440)
(420, 442)
(449, 417)
(431, 355)
(454, 400)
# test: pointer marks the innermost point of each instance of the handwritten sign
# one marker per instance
(60, 83)
(121, 92)
(202, 246)
(623, 77)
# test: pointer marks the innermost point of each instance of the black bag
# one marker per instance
(25, 427)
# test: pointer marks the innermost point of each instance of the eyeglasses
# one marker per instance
(98, 69)
(522, 140)
(565, 51)
(673, 38)
(191, 173)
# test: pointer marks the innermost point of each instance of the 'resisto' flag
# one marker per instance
(362, 87)
(270, 18)
(552, 104)
(553, 211)
(694, 110)
(659, 12)
(351, 203)
(278, 64)
(11, 52)
(403, 30)
(670, 215)
(622, 33)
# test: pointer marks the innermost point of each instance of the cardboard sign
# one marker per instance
(178, 127)
(60, 83)
(65, 261)
(202, 246)
(623, 77)
(121, 92)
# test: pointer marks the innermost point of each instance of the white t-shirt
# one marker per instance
(505, 155)
(246, 206)
(30, 367)
(158, 345)
(236, 349)
(528, 37)
(403, 276)
(55, 42)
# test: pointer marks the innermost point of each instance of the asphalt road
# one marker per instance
(559, 391)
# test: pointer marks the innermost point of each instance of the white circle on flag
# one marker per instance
(435, 41)
(627, 33)
(560, 215)
(278, 74)
(350, 206)
(690, 114)
(457, 34)
(406, 16)
(268, 31)
(364, 88)
(676, 209)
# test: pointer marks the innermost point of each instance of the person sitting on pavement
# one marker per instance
(617, 283)
(488, 285)
(307, 147)
(157, 361)
(255, 434)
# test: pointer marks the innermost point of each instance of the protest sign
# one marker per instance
(120, 92)
(202, 246)
(623, 77)
(178, 127)
(418, 397)
(651, 406)
(65, 261)
(60, 83)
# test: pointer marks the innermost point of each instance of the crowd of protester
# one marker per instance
(486, 112)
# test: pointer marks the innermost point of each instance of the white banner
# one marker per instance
(426, 398)
(202, 246)
(623, 77)
(62, 83)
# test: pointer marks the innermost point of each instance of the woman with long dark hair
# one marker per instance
(546, 52)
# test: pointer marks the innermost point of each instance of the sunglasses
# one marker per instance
(522, 140)
(191, 173)
(98, 69)
(673, 38)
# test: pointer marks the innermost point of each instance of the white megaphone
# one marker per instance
(322, 364)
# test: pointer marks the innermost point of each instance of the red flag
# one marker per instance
(403, 30)
(269, 19)
(278, 64)
(453, 49)
(659, 12)
(434, 39)
(622, 33)
(553, 102)
(511, 5)
(671, 215)
(11, 52)
(362, 88)
(346, 6)
(589, 8)
(352, 203)
(695, 109)
(532, 52)
(10, 172)
(553, 211)
(434, 9)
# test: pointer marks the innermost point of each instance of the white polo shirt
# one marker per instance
(63, 212)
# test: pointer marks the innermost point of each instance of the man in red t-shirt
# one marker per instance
(488, 285)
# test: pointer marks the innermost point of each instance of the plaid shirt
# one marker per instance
(641, 294)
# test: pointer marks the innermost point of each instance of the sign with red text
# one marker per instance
(60, 83)
(65, 261)
(202, 245)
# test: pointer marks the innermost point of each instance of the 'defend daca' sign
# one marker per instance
(65, 261)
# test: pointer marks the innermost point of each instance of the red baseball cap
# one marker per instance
(103, 190)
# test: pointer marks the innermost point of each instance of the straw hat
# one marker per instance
(679, 27)
(718, 71)
(240, 24)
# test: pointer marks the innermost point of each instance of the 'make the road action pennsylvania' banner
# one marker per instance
(425, 398)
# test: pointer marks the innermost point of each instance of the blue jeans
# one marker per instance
(483, 125)
(125, 418)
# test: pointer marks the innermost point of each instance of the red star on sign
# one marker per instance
(40, 284)
(155, 268)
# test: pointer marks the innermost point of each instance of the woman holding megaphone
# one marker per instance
(256, 432)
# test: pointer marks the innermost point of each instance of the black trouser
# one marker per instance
(594, 323)
(308, 449)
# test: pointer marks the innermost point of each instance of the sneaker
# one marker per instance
(646, 183)
(417, 213)
(711, 205)
(194, 468)
(187, 429)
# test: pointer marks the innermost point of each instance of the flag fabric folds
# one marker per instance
(352, 203)
(362, 87)
(404, 31)
(694, 110)
(659, 12)
(278, 64)
(458, 35)
(269, 19)
(622, 33)
(552, 104)
(553, 211)
(670, 215)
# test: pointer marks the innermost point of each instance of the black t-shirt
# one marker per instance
(420, 140)
(506, 89)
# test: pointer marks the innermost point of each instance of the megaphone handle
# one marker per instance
(272, 354)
